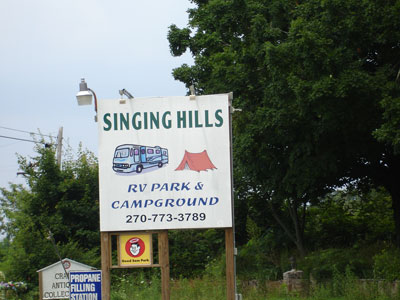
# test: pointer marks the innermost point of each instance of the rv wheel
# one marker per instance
(160, 164)
(139, 168)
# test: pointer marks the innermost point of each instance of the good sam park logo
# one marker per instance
(135, 249)
(164, 163)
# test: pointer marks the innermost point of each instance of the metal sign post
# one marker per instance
(230, 265)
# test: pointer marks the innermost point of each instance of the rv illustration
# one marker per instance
(130, 158)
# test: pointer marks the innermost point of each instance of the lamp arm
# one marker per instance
(95, 99)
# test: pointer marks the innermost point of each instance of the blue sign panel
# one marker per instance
(85, 285)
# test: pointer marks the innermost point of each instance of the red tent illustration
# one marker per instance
(195, 162)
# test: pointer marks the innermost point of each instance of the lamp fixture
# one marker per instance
(84, 96)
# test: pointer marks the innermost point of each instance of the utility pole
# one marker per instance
(59, 145)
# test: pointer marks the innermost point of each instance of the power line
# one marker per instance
(8, 145)
(24, 140)
(13, 129)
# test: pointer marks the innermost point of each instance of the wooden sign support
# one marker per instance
(163, 252)
(105, 265)
(230, 264)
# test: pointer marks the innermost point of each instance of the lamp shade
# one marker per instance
(84, 98)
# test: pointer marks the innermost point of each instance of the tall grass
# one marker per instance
(348, 287)
(136, 286)
(209, 287)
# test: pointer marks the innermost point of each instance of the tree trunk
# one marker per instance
(298, 238)
(395, 193)
(390, 180)
(298, 226)
(393, 187)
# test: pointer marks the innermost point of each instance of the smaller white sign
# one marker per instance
(54, 281)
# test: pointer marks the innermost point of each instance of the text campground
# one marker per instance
(179, 202)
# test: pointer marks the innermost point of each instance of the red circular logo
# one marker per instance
(134, 247)
(67, 264)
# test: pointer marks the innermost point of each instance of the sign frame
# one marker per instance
(166, 195)
(107, 232)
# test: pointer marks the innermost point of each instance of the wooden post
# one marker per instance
(105, 265)
(40, 285)
(163, 257)
(230, 264)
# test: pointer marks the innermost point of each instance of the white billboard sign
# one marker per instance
(165, 163)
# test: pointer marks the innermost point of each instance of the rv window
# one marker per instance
(150, 151)
(136, 151)
(157, 151)
(143, 151)
(165, 152)
(131, 152)
(122, 153)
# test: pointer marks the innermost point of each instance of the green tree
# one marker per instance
(316, 80)
(61, 200)
(192, 250)
(346, 219)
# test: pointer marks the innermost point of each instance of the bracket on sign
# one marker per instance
(232, 109)
(192, 93)
(126, 93)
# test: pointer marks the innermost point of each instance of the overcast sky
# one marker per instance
(47, 46)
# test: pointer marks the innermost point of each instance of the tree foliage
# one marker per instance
(344, 230)
(346, 219)
(317, 81)
(61, 200)
(192, 250)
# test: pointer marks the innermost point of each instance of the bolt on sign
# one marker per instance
(54, 282)
(165, 163)
(135, 250)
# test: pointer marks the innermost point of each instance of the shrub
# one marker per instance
(387, 264)
(322, 264)
(256, 260)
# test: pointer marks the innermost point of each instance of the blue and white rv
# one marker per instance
(130, 158)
